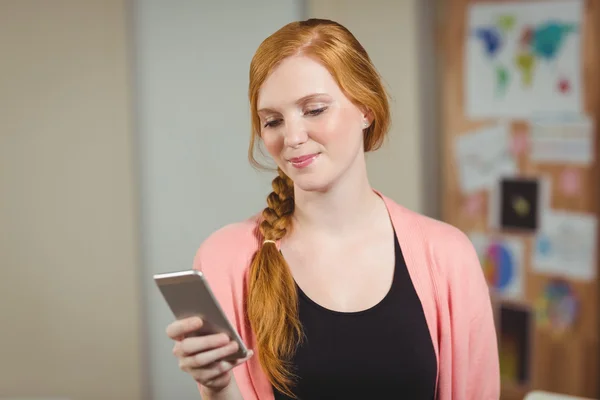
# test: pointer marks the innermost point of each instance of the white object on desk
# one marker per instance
(542, 395)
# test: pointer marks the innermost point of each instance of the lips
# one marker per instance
(301, 159)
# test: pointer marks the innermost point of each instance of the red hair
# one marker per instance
(272, 298)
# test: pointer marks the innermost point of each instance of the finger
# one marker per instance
(207, 372)
(183, 327)
(177, 351)
(219, 380)
(210, 356)
(191, 362)
(197, 344)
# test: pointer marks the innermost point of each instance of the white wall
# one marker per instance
(398, 35)
(69, 271)
(68, 215)
(193, 129)
(428, 94)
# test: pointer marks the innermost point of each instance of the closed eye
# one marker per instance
(313, 113)
(273, 123)
(316, 111)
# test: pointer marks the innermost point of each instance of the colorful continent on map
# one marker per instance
(540, 43)
(536, 43)
(493, 39)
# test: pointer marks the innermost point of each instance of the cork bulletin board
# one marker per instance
(520, 102)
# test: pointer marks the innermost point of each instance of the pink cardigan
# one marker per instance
(446, 274)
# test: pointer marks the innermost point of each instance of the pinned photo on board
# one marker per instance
(517, 204)
(515, 337)
(502, 261)
(557, 307)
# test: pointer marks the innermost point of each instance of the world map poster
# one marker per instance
(523, 59)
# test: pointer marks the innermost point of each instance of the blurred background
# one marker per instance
(124, 128)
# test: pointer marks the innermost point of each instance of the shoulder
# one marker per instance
(445, 261)
(229, 248)
(438, 236)
(447, 249)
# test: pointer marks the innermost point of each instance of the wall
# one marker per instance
(398, 35)
(68, 238)
(69, 210)
(193, 128)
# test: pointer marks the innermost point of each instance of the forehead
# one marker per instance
(296, 77)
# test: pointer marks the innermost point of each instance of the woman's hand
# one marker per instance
(202, 356)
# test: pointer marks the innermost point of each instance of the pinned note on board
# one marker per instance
(474, 204)
(483, 156)
(519, 142)
(570, 182)
(566, 245)
(562, 138)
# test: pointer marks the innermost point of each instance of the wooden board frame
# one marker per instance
(566, 364)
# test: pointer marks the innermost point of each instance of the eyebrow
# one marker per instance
(301, 100)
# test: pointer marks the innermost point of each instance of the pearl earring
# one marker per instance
(366, 124)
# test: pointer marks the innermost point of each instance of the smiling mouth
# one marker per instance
(303, 161)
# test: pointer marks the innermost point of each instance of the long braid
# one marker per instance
(277, 216)
(272, 298)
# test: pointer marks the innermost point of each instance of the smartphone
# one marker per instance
(188, 294)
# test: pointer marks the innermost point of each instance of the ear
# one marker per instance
(367, 117)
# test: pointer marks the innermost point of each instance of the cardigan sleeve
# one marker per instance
(217, 259)
(224, 258)
(484, 371)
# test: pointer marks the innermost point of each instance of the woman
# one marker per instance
(341, 292)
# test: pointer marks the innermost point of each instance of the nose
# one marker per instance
(295, 133)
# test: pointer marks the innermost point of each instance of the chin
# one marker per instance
(310, 182)
(315, 178)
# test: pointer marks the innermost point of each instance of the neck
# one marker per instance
(347, 205)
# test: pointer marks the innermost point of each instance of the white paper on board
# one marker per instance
(483, 156)
(523, 57)
(502, 260)
(565, 140)
(566, 245)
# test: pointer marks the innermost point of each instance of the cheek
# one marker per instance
(339, 129)
(273, 142)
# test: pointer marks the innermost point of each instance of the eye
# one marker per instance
(316, 111)
(272, 123)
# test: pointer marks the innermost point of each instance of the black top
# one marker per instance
(379, 353)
